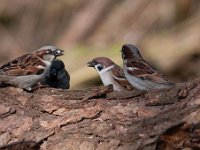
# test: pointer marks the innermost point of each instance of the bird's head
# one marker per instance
(130, 51)
(49, 53)
(101, 64)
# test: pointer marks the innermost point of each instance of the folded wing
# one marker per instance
(119, 77)
(24, 65)
(143, 70)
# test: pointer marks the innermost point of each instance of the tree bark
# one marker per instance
(98, 118)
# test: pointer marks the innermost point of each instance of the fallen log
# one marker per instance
(98, 118)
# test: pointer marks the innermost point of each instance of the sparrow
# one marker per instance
(140, 73)
(58, 77)
(26, 71)
(110, 73)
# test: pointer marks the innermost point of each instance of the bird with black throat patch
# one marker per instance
(110, 73)
(58, 77)
(27, 70)
(140, 73)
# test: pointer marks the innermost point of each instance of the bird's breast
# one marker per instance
(106, 78)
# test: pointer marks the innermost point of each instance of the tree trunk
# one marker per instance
(100, 119)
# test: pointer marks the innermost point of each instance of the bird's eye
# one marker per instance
(100, 67)
(58, 51)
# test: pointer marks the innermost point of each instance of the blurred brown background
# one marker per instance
(166, 31)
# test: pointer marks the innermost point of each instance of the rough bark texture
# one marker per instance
(98, 118)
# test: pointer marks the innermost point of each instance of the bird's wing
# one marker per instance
(143, 70)
(24, 65)
(119, 77)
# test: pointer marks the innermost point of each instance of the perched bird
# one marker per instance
(26, 71)
(58, 77)
(140, 73)
(110, 73)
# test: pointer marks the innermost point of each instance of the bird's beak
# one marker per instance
(90, 64)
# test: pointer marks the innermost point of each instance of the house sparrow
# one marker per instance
(25, 71)
(140, 73)
(58, 77)
(110, 73)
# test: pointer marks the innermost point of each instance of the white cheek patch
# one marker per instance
(96, 67)
(48, 59)
(103, 70)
